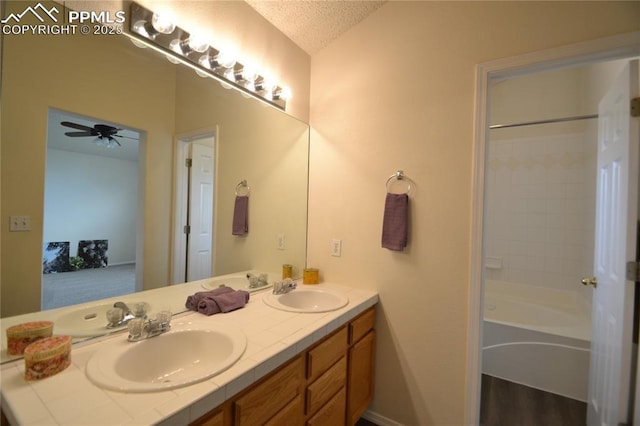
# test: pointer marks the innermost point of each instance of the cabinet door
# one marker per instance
(332, 414)
(292, 414)
(361, 373)
(320, 391)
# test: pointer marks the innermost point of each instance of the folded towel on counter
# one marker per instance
(194, 299)
(396, 221)
(223, 299)
(241, 215)
(224, 303)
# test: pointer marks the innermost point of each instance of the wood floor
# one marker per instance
(507, 403)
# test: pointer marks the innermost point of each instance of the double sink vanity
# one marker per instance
(301, 357)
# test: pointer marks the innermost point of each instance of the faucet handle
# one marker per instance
(115, 315)
(164, 317)
(136, 328)
(140, 309)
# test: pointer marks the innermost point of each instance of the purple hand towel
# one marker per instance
(194, 299)
(224, 302)
(395, 222)
(241, 216)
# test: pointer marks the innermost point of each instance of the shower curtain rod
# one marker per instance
(551, 120)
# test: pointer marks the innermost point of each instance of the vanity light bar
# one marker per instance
(182, 47)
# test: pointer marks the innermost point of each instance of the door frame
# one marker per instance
(180, 197)
(599, 50)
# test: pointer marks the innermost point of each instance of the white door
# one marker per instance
(615, 244)
(200, 240)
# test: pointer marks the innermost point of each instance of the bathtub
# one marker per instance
(537, 337)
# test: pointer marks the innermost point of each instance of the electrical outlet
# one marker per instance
(20, 223)
(280, 243)
(336, 247)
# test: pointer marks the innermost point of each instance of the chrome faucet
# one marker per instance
(139, 329)
(284, 286)
(120, 314)
(256, 282)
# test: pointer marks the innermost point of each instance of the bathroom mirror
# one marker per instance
(107, 78)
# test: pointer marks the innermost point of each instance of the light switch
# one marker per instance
(20, 223)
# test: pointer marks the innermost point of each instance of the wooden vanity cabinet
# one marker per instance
(330, 384)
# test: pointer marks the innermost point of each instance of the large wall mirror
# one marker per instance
(164, 109)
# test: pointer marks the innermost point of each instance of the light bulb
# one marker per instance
(176, 46)
(143, 28)
(197, 43)
(205, 61)
(248, 74)
(162, 25)
(225, 59)
(229, 74)
(283, 93)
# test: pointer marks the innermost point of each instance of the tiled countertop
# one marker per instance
(273, 337)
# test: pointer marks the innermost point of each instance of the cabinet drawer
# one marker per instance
(320, 391)
(333, 413)
(264, 400)
(361, 325)
(325, 354)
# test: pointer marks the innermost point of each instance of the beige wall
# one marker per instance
(397, 92)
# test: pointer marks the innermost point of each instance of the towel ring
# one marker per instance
(240, 185)
(399, 175)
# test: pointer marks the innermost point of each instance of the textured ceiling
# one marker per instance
(312, 24)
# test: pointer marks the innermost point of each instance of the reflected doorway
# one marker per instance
(194, 207)
(91, 210)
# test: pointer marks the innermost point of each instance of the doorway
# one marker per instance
(626, 46)
(91, 210)
(194, 208)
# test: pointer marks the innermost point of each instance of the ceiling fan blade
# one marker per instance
(79, 134)
(105, 128)
(76, 126)
(126, 137)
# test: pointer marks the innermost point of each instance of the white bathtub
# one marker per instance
(538, 337)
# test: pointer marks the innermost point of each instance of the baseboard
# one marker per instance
(379, 419)
(126, 262)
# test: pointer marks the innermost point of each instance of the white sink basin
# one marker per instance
(171, 360)
(83, 322)
(307, 300)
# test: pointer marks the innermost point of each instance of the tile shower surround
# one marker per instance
(540, 209)
(273, 337)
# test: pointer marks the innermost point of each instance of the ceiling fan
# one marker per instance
(105, 135)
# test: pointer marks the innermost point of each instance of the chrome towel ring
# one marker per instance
(239, 189)
(399, 175)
